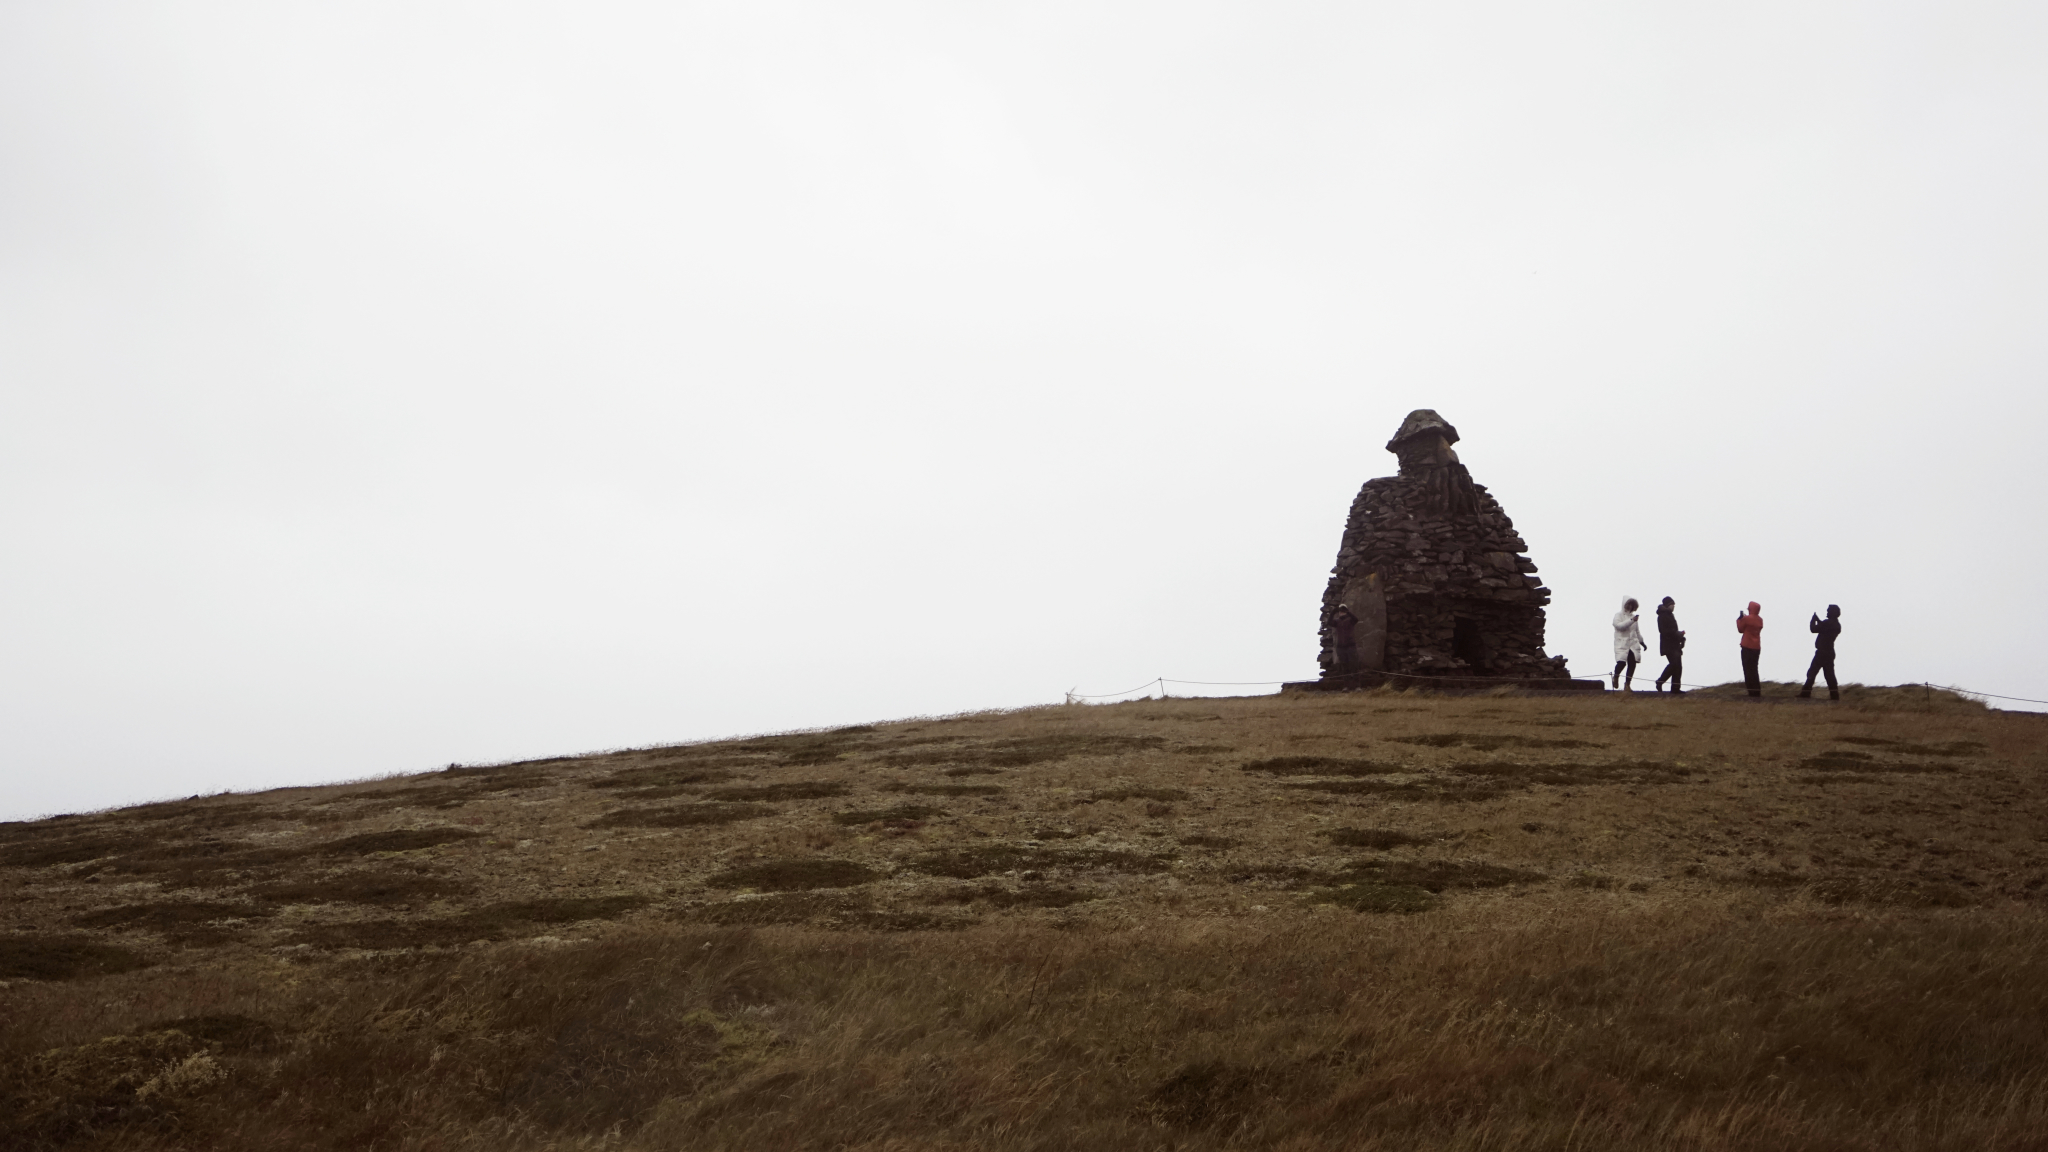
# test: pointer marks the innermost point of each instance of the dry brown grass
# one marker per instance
(1263, 923)
(789, 875)
(681, 816)
(362, 886)
(907, 816)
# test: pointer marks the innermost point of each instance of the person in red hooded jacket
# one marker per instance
(1752, 629)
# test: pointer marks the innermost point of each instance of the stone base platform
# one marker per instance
(1459, 685)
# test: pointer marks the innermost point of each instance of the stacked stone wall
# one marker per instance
(1443, 549)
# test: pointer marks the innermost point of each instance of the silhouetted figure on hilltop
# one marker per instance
(1824, 633)
(1671, 646)
(1628, 640)
(1752, 629)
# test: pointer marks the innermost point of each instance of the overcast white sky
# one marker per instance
(390, 384)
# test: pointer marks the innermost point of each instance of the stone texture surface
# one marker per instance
(1434, 555)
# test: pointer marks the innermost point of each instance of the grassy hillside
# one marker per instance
(1374, 920)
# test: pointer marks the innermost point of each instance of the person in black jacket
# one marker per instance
(1824, 633)
(1671, 646)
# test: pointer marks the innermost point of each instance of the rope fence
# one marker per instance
(1160, 682)
(1974, 692)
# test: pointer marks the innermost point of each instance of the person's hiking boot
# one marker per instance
(1614, 682)
(1806, 693)
(1833, 694)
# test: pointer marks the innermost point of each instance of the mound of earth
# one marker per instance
(1367, 919)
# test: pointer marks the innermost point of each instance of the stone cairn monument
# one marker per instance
(1433, 576)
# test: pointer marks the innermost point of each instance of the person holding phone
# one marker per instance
(1824, 633)
(1671, 646)
(1628, 640)
(1752, 629)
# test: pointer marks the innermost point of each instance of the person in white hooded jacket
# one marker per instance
(1628, 640)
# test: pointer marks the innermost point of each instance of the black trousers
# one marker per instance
(1674, 671)
(1750, 679)
(1822, 662)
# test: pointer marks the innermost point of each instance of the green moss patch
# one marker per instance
(778, 908)
(389, 935)
(1952, 748)
(706, 756)
(362, 887)
(1865, 762)
(1379, 839)
(1162, 795)
(1324, 766)
(95, 1094)
(1489, 742)
(39, 956)
(439, 797)
(985, 860)
(184, 921)
(505, 778)
(1210, 1094)
(791, 790)
(1024, 896)
(804, 748)
(1896, 892)
(681, 816)
(54, 850)
(513, 914)
(229, 1032)
(794, 874)
(949, 789)
(205, 864)
(900, 814)
(642, 781)
(516, 766)
(202, 815)
(1509, 773)
(1430, 876)
(1020, 753)
(1280, 875)
(492, 922)
(1441, 791)
(899, 921)
(1438, 875)
(1373, 896)
(399, 840)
